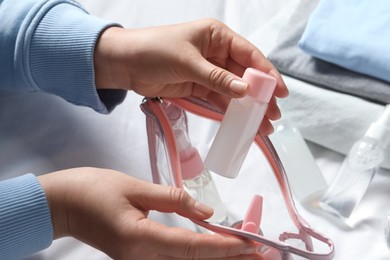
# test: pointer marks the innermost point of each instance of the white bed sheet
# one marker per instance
(43, 133)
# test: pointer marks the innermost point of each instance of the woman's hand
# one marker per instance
(108, 210)
(205, 59)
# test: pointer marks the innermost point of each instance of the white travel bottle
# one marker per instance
(240, 124)
(197, 180)
(358, 169)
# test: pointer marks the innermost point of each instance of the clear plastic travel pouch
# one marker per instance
(280, 231)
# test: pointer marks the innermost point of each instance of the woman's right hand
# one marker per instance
(204, 59)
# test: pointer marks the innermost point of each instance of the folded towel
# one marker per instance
(292, 61)
(351, 33)
(328, 118)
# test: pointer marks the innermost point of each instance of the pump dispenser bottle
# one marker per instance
(358, 169)
(240, 124)
(197, 180)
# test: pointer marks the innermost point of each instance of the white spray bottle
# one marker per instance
(358, 169)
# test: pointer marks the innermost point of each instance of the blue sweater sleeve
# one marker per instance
(48, 45)
(25, 223)
(45, 45)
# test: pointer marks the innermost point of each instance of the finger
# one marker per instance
(183, 243)
(217, 79)
(221, 102)
(201, 91)
(234, 67)
(266, 127)
(281, 88)
(273, 111)
(248, 55)
(170, 199)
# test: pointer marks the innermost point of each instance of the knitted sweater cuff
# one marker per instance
(25, 221)
(61, 55)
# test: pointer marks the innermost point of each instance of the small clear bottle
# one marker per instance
(304, 176)
(357, 170)
(202, 188)
(197, 180)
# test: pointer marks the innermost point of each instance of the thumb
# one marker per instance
(172, 199)
(218, 79)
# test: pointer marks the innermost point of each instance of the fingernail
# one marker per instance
(248, 250)
(238, 86)
(203, 208)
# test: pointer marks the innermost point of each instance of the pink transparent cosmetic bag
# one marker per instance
(283, 233)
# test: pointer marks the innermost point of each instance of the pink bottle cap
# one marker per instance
(191, 163)
(261, 85)
(253, 215)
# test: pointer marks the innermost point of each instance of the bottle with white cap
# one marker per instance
(358, 169)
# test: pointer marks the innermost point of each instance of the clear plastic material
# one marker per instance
(359, 167)
(387, 229)
(353, 179)
(285, 234)
(197, 180)
(203, 189)
(304, 176)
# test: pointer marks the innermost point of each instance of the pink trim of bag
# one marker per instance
(157, 118)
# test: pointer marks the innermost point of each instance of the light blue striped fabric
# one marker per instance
(48, 45)
(45, 45)
(25, 223)
(63, 64)
(353, 34)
